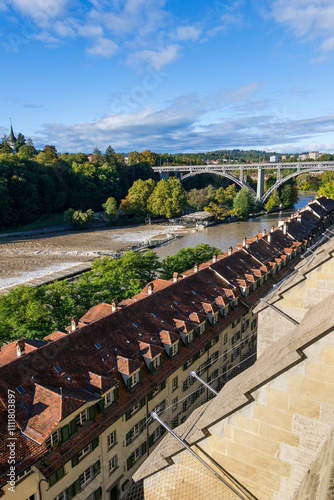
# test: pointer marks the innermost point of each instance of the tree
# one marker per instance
(244, 203)
(186, 258)
(20, 141)
(110, 208)
(148, 157)
(110, 156)
(219, 212)
(327, 189)
(78, 219)
(137, 198)
(167, 199)
(26, 152)
(133, 158)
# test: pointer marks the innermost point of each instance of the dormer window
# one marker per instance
(174, 349)
(156, 362)
(133, 380)
(82, 418)
(190, 337)
(215, 318)
(108, 398)
(52, 440)
(202, 328)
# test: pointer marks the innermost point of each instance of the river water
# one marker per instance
(225, 235)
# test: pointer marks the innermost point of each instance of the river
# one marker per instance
(226, 235)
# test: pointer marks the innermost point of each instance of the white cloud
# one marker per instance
(307, 20)
(40, 10)
(157, 59)
(188, 33)
(103, 47)
(242, 93)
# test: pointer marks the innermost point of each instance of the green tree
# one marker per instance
(219, 212)
(20, 141)
(244, 203)
(167, 199)
(25, 152)
(186, 258)
(137, 198)
(148, 157)
(133, 158)
(78, 219)
(110, 208)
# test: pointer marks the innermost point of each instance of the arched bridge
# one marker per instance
(230, 171)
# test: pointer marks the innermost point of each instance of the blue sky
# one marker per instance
(170, 76)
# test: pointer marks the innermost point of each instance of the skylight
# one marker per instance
(20, 389)
(194, 292)
(153, 314)
(58, 369)
(98, 345)
(136, 324)
(176, 302)
(68, 379)
(21, 405)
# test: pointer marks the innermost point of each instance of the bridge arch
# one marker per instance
(284, 179)
(232, 177)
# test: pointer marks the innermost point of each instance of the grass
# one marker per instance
(44, 221)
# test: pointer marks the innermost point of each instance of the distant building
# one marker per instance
(283, 157)
(273, 159)
(314, 155)
(11, 139)
(91, 158)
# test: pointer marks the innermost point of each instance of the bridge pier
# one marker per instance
(164, 175)
(260, 183)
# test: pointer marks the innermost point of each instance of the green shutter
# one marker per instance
(150, 441)
(150, 396)
(163, 430)
(163, 385)
(96, 468)
(95, 443)
(101, 404)
(128, 384)
(73, 426)
(53, 479)
(143, 448)
(124, 484)
(129, 463)
(72, 490)
(75, 460)
(128, 415)
(98, 494)
(186, 341)
(92, 412)
(60, 472)
(185, 366)
(65, 433)
(207, 347)
(141, 374)
(128, 439)
(142, 403)
(116, 394)
(151, 367)
(143, 424)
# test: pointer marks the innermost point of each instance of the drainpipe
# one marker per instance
(39, 488)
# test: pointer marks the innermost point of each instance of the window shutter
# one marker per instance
(101, 404)
(98, 494)
(186, 341)
(72, 490)
(143, 424)
(65, 433)
(185, 366)
(97, 468)
(150, 396)
(128, 439)
(141, 374)
(92, 412)
(142, 403)
(163, 385)
(129, 383)
(60, 472)
(129, 462)
(128, 415)
(207, 347)
(75, 460)
(151, 367)
(53, 479)
(143, 448)
(73, 426)
(116, 394)
(163, 430)
(150, 441)
(95, 443)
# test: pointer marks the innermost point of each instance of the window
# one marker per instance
(84, 451)
(213, 376)
(24, 473)
(215, 318)
(214, 341)
(108, 398)
(134, 379)
(253, 324)
(56, 476)
(225, 338)
(202, 369)
(58, 369)
(175, 383)
(136, 455)
(61, 496)
(175, 422)
(156, 362)
(245, 325)
(81, 419)
(112, 439)
(235, 338)
(85, 477)
(20, 389)
(52, 440)
(175, 405)
(213, 358)
(174, 349)
(225, 356)
(112, 464)
(155, 435)
(32, 497)
(188, 383)
(190, 337)
(201, 328)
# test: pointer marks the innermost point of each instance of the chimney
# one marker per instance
(244, 241)
(285, 228)
(114, 304)
(75, 323)
(269, 237)
(256, 238)
(230, 250)
(196, 267)
(150, 288)
(20, 348)
(247, 246)
(214, 257)
(61, 392)
(263, 232)
(272, 229)
(175, 277)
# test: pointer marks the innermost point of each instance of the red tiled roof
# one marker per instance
(9, 352)
(55, 336)
(96, 312)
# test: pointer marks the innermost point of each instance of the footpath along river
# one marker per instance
(225, 235)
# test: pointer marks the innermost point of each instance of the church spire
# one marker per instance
(12, 138)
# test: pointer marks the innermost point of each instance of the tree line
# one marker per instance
(34, 312)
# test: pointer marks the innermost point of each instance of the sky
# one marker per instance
(169, 76)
